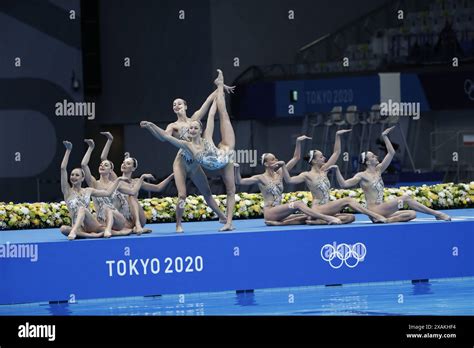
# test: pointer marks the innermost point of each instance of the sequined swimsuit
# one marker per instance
(275, 188)
(100, 203)
(77, 200)
(120, 202)
(322, 185)
(183, 135)
(211, 157)
(378, 186)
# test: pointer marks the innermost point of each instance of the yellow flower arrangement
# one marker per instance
(247, 205)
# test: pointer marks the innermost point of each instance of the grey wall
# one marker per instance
(48, 43)
(170, 58)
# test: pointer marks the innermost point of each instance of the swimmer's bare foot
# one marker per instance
(146, 230)
(96, 235)
(107, 234)
(272, 223)
(223, 220)
(123, 232)
(227, 227)
(138, 230)
(334, 221)
(443, 216)
(379, 219)
(71, 235)
(179, 229)
(316, 222)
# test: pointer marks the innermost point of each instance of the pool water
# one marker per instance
(453, 296)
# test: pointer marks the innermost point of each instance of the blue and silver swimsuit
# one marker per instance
(211, 157)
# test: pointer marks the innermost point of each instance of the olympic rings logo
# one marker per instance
(338, 255)
(469, 89)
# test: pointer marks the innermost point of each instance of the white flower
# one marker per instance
(441, 194)
(24, 210)
(3, 224)
(237, 198)
(44, 211)
(209, 209)
(190, 216)
(203, 216)
(352, 194)
(3, 212)
(243, 208)
(248, 202)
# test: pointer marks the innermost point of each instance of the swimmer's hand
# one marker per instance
(388, 130)
(147, 176)
(67, 145)
(90, 143)
(145, 124)
(303, 137)
(108, 135)
(229, 89)
(342, 131)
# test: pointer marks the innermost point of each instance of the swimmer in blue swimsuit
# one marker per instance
(199, 147)
(184, 165)
(371, 183)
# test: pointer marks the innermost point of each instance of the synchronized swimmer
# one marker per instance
(118, 212)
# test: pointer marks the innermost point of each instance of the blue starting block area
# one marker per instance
(42, 265)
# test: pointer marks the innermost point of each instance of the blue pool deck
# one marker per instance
(152, 269)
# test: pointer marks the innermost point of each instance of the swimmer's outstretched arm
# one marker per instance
(337, 150)
(90, 180)
(64, 182)
(105, 152)
(247, 181)
(108, 144)
(136, 186)
(298, 179)
(106, 193)
(346, 183)
(157, 187)
(297, 155)
(163, 136)
(390, 151)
